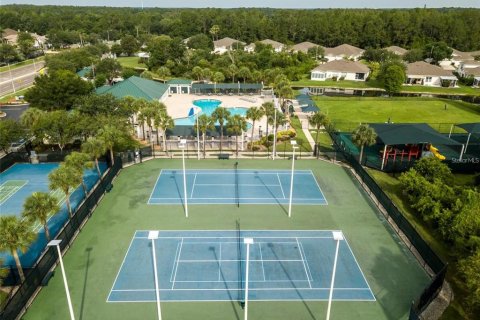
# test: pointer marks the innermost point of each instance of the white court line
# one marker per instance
(174, 262)
(236, 281)
(16, 188)
(245, 198)
(229, 300)
(256, 289)
(233, 237)
(261, 258)
(280, 183)
(306, 261)
(154, 187)
(240, 184)
(220, 262)
(238, 260)
(121, 266)
(193, 186)
(176, 269)
(320, 189)
(304, 266)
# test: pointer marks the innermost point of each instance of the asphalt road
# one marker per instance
(13, 111)
(19, 78)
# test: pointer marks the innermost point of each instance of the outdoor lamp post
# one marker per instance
(294, 147)
(56, 243)
(274, 133)
(153, 235)
(182, 145)
(248, 242)
(337, 236)
(259, 131)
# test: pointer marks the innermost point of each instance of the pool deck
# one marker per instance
(178, 105)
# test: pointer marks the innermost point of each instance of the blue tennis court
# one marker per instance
(237, 186)
(210, 266)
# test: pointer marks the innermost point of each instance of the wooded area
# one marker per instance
(409, 28)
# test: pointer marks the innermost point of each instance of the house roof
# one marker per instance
(8, 32)
(82, 73)
(421, 68)
(343, 50)
(397, 50)
(179, 81)
(304, 46)
(410, 133)
(225, 42)
(473, 72)
(136, 87)
(343, 66)
(463, 56)
(273, 43)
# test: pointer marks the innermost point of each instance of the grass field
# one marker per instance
(348, 112)
(94, 259)
(131, 62)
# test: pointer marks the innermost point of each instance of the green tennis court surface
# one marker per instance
(95, 258)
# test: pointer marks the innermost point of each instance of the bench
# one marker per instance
(223, 156)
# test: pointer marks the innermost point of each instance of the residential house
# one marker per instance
(277, 46)
(11, 37)
(343, 51)
(465, 67)
(225, 44)
(399, 51)
(475, 73)
(340, 70)
(425, 74)
(304, 46)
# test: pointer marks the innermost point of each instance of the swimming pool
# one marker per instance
(208, 106)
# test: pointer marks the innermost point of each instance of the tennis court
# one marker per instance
(210, 266)
(240, 186)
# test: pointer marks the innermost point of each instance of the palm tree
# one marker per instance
(163, 73)
(111, 135)
(244, 73)
(95, 148)
(163, 122)
(236, 125)
(318, 120)
(205, 123)
(66, 179)
(214, 30)
(80, 161)
(38, 207)
(197, 72)
(141, 105)
(220, 115)
(363, 136)
(232, 70)
(15, 234)
(268, 110)
(218, 77)
(254, 114)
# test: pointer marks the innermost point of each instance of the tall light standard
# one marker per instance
(274, 132)
(153, 235)
(182, 145)
(294, 147)
(56, 243)
(248, 242)
(11, 78)
(337, 236)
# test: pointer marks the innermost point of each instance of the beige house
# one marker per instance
(11, 37)
(425, 74)
(465, 67)
(277, 46)
(340, 70)
(397, 50)
(304, 46)
(343, 51)
(225, 44)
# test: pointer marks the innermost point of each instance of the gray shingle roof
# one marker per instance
(343, 66)
(421, 68)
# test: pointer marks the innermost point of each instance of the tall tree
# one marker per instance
(214, 31)
(236, 126)
(58, 127)
(79, 161)
(129, 45)
(111, 135)
(39, 206)
(15, 235)
(111, 68)
(95, 148)
(66, 179)
(254, 114)
(10, 131)
(25, 43)
(221, 115)
(244, 73)
(205, 123)
(268, 110)
(318, 120)
(163, 122)
(363, 136)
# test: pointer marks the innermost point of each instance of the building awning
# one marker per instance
(410, 133)
(452, 78)
(227, 86)
(470, 127)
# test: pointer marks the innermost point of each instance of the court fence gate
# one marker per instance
(39, 275)
(427, 254)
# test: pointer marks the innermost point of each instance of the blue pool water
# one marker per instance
(208, 106)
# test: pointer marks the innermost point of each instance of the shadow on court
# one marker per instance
(271, 193)
(85, 279)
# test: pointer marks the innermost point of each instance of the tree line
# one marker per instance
(410, 28)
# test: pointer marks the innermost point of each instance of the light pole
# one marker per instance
(56, 243)
(11, 79)
(337, 236)
(274, 132)
(153, 235)
(248, 242)
(294, 147)
(198, 139)
(181, 145)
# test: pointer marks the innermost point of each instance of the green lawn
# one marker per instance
(348, 84)
(300, 137)
(10, 96)
(348, 112)
(393, 189)
(131, 62)
(95, 257)
(21, 64)
(324, 140)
